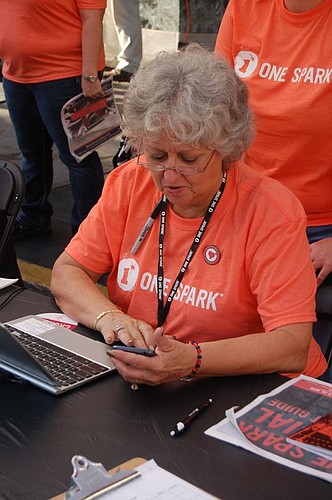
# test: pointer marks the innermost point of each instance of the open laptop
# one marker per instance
(50, 356)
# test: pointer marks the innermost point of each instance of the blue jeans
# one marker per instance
(34, 110)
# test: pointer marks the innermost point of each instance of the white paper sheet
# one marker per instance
(156, 483)
(4, 282)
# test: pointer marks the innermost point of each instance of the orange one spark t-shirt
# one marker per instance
(41, 40)
(251, 272)
(286, 61)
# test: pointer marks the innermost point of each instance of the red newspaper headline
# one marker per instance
(95, 106)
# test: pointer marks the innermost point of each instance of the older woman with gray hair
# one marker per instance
(208, 263)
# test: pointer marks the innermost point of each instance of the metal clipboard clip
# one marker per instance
(91, 480)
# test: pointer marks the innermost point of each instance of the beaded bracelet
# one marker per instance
(102, 314)
(198, 361)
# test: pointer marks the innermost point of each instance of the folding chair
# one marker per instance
(12, 188)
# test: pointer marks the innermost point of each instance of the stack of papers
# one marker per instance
(156, 483)
(267, 425)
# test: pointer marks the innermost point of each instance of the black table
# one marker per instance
(108, 422)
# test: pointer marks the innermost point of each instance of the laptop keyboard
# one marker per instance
(66, 367)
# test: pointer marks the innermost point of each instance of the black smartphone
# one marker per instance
(135, 350)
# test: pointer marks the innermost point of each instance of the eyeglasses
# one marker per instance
(186, 170)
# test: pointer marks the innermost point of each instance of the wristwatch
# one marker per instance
(91, 78)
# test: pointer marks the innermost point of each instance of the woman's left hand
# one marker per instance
(92, 89)
(173, 361)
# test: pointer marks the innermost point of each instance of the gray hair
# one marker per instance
(193, 97)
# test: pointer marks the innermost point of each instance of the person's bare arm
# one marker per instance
(284, 349)
(76, 293)
(92, 40)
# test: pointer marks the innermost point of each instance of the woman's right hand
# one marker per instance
(133, 332)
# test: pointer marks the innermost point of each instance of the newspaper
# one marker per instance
(89, 123)
(264, 425)
(315, 437)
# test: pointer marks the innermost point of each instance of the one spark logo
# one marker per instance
(245, 63)
(127, 274)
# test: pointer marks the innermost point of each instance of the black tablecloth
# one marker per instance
(108, 422)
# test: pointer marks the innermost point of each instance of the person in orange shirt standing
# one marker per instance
(282, 50)
(51, 51)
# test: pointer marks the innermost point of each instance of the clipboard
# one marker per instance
(102, 481)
